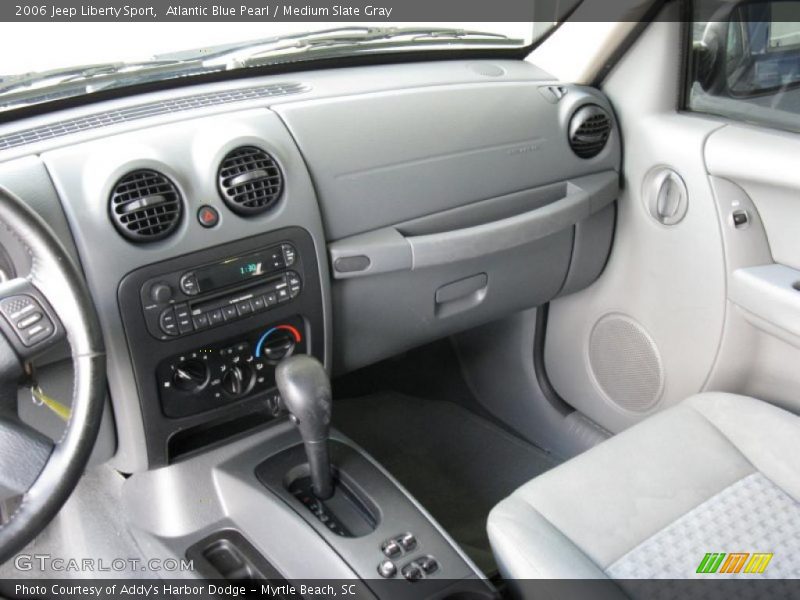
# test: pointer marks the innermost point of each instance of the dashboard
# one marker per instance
(346, 213)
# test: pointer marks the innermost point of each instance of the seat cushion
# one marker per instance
(716, 474)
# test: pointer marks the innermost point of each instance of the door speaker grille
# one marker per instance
(625, 363)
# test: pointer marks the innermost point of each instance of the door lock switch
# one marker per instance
(740, 219)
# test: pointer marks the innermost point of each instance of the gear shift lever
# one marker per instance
(306, 392)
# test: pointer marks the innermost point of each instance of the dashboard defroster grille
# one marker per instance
(141, 111)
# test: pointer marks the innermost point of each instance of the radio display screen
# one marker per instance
(236, 270)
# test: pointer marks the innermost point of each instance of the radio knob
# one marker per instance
(238, 380)
(161, 293)
(191, 376)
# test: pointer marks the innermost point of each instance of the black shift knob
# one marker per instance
(306, 391)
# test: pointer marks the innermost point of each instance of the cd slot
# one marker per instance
(231, 271)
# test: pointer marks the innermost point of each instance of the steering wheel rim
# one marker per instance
(54, 275)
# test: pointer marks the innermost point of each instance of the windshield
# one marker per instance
(84, 58)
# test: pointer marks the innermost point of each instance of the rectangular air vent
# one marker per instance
(142, 111)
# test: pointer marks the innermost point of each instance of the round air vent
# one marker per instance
(249, 180)
(589, 130)
(145, 206)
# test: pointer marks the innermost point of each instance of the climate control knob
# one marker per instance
(191, 375)
(278, 346)
(238, 380)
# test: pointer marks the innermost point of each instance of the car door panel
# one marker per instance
(752, 170)
(706, 303)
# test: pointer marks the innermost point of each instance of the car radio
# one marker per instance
(184, 302)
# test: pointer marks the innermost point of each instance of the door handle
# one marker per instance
(666, 196)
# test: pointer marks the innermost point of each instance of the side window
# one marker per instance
(745, 62)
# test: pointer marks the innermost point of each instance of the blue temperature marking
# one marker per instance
(261, 341)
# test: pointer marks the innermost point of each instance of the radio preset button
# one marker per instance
(258, 303)
(167, 322)
(201, 321)
(283, 295)
(229, 312)
(244, 308)
(270, 299)
(215, 317)
(189, 284)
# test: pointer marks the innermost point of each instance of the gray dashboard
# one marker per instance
(439, 196)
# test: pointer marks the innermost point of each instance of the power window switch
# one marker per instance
(428, 564)
(392, 549)
(407, 541)
(413, 572)
(387, 569)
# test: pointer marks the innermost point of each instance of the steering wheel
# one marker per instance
(36, 312)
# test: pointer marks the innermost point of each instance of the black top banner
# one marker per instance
(361, 10)
(278, 10)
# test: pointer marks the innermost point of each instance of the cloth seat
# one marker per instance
(716, 474)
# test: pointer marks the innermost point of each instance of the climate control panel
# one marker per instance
(215, 375)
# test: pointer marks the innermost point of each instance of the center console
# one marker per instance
(246, 516)
(206, 330)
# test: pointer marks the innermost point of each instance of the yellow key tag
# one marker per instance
(39, 397)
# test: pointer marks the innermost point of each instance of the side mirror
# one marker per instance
(748, 46)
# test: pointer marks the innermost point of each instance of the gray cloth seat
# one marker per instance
(718, 473)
